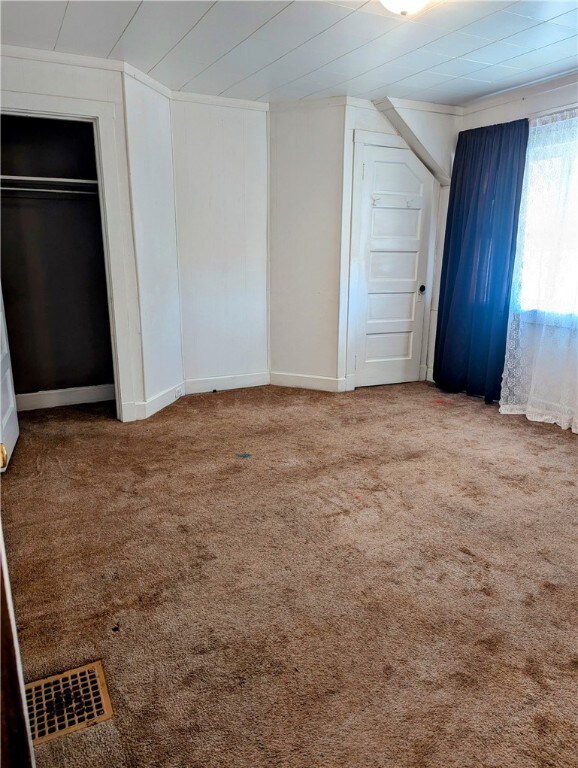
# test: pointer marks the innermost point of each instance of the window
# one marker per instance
(541, 365)
(548, 229)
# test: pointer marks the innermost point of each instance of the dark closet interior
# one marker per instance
(53, 268)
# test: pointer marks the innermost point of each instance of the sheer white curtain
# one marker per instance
(541, 368)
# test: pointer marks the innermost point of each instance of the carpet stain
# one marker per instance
(390, 582)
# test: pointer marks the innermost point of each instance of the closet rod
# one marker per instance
(54, 191)
(48, 180)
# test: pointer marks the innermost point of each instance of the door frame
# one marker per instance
(17, 746)
(361, 139)
(119, 256)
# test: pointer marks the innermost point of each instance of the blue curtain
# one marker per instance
(479, 250)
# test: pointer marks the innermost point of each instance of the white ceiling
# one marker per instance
(271, 50)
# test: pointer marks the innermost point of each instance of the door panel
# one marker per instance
(385, 307)
(382, 347)
(17, 750)
(391, 175)
(397, 192)
(9, 430)
(387, 265)
(385, 220)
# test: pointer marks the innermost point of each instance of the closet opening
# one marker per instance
(54, 269)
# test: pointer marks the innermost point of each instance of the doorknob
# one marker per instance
(422, 289)
(3, 456)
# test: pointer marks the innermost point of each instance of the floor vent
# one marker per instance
(67, 702)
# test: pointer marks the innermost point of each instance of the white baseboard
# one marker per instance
(220, 383)
(52, 398)
(128, 412)
(429, 374)
(350, 382)
(143, 410)
(323, 383)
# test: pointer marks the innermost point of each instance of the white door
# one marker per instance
(8, 416)
(394, 221)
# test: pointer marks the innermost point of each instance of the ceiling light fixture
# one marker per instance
(404, 7)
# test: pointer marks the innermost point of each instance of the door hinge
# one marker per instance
(363, 172)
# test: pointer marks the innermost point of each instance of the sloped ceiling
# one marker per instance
(273, 50)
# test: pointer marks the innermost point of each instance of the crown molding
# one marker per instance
(544, 85)
(56, 57)
(329, 101)
(419, 106)
(145, 79)
(111, 65)
(522, 92)
(219, 101)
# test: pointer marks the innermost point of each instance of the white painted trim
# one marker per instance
(143, 410)
(521, 92)
(89, 62)
(179, 278)
(354, 260)
(303, 381)
(104, 130)
(389, 108)
(381, 140)
(347, 159)
(116, 216)
(77, 60)
(371, 138)
(145, 79)
(56, 57)
(430, 276)
(268, 254)
(116, 210)
(221, 383)
(354, 101)
(155, 404)
(420, 106)
(220, 101)
(53, 398)
(350, 382)
(11, 620)
(330, 101)
(129, 411)
(525, 102)
(133, 234)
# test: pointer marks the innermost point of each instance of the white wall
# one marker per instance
(550, 96)
(205, 162)
(311, 189)
(364, 115)
(149, 141)
(306, 189)
(220, 147)
(220, 160)
(431, 130)
(45, 84)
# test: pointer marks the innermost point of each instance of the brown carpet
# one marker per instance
(385, 582)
